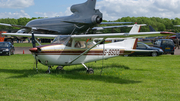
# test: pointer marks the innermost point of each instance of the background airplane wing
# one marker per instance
(29, 28)
(106, 23)
(108, 35)
(49, 36)
(105, 27)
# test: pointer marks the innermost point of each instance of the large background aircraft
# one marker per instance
(84, 18)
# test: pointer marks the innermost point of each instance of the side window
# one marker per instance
(141, 46)
(80, 44)
(83, 44)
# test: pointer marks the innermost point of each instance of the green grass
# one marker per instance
(122, 79)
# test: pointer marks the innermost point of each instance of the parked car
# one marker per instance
(6, 48)
(143, 46)
(167, 45)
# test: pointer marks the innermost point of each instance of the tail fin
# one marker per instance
(136, 28)
(131, 43)
(128, 43)
(152, 29)
(91, 3)
(88, 6)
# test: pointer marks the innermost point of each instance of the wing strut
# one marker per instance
(86, 51)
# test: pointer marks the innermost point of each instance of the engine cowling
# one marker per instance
(96, 19)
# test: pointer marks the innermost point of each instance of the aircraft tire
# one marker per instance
(90, 71)
(59, 68)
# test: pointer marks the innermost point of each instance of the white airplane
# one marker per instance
(68, 50)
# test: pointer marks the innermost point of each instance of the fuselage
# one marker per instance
(58, 26)
(72, 51)
(62, 55)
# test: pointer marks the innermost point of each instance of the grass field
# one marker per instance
(122, 79)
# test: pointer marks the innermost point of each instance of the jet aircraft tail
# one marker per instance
(84, 7)
(136, 28)
(152, 29)
(91, 4)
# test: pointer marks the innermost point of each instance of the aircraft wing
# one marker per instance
(49, 36)
(29, 28)
(108, 35)
(106, 23)
(176, 25)
(105, 27)
(122, 35)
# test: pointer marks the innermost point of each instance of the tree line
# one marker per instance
(159, 24)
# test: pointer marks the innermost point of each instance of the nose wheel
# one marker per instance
(89, 70)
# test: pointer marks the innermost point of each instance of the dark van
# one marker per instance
(167, 45)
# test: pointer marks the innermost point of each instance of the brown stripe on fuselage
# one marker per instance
(78, 52)
(72, 52)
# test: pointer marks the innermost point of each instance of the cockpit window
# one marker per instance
(83, 44)
(61, 40)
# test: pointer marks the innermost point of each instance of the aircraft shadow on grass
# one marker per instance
(73, 74)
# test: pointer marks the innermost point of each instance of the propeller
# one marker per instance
(33, 40)
(34, 45)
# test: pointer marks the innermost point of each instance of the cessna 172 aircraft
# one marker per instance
(84, 18)
(79, 49)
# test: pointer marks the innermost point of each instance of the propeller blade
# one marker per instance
(33, 40)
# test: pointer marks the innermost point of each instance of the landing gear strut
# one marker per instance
(48, 71)
(89, 70)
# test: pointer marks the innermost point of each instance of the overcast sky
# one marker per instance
(111, 9)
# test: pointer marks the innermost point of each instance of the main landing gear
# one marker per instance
(48, 71)
(89, 70)
(57, 69)
(60, 68)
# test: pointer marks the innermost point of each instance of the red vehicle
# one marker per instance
(6, 39)
(2, 37)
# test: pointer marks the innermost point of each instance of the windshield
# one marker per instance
(61, 39)
(4, 45)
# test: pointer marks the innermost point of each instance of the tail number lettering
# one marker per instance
(111, 52)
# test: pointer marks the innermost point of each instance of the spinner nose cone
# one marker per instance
(35, 50)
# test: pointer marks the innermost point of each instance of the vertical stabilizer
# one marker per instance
(91, 4)
(136, 28)
(86, 7)
(152, 29)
